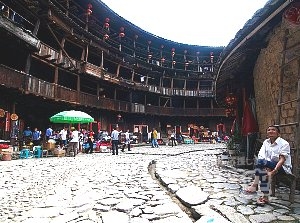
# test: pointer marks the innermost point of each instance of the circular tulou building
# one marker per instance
(63, 55)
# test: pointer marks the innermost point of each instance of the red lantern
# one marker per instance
(106, 36)
(231, 100)
(89, 9)
(121, 34)
(173, 52)
(229, 112)
(89, 12)
(119, 117)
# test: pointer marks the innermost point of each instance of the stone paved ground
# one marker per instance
(183, 184)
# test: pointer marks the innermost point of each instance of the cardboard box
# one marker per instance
(59, 153)
(50, 146)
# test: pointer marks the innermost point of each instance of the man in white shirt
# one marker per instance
(63, 136)
(127, 141)
(73, 144)
(115, 141)
(274, 157)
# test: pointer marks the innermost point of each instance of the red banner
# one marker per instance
(249, 124)
(7, 122)
(99, 126)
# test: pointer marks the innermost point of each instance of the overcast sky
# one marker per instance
(195, 22)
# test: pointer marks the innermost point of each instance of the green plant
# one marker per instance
(237, 138)
(230, 143)
(233, 144)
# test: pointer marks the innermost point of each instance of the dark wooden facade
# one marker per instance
(59, 55)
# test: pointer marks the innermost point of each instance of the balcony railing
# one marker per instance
(39, 87)
(18, 26)
(52, 55)
(31, 85)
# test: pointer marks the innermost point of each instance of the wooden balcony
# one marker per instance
(52, 55)
(31, 85)
(11, 78)
(47, 53)
(92, 69)
(59, 22)
(38, 87)
(15, 30)
(66, 94)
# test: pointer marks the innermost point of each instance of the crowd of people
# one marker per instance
(85, 139)
(66, 138)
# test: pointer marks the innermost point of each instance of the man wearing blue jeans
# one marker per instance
(274, 157)
(115, 141)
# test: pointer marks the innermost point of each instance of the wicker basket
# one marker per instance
(6, 156)
(50, 146)
(59, 153)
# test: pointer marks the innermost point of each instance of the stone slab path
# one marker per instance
(181, 184)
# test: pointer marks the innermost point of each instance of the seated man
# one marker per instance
(274, 157)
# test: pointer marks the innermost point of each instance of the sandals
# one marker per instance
(262, 201)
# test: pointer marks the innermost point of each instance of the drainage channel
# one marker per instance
(187, 210)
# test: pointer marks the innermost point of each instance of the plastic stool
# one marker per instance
(37, 151)
(45, 153)
(24, 154)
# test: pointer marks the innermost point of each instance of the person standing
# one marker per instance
(74, 142)
(154, 139)
(90, 141)
(127, 141)
(63, 136)
(172, 138)
(115, 140)
(36, 137)
(274, 157)
(49, 132)
(27, 136)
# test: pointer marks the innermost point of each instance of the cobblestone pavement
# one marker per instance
(181, 184)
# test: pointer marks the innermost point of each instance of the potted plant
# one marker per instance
(233, 144)
(230, 146)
